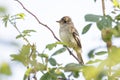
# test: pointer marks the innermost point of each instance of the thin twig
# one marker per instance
(103, 7)
(45, 26)
(37, 19)
(73, 55)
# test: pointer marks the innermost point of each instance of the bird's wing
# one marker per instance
(76, 37)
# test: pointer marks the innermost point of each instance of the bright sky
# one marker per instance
(49, 11)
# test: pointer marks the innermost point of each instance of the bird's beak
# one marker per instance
(58, 21)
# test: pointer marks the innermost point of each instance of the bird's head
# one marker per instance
(65, 19)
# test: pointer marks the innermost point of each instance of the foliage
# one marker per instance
(5, 69)
(51, 69)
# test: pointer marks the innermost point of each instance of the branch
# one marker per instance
(103, 7)
(37, 19)
(46, 27)
(73, 55)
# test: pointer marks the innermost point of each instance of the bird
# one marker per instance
(70, 36)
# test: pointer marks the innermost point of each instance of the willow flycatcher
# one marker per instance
(70, 36)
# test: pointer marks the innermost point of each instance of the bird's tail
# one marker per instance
(78, 51)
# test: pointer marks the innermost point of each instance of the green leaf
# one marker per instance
(46, 76)
(105, 22)
(40, 67)
(19, 57)
(116, 30)
(23, 55)
(92, 18)
(43, 55)
(72, 67)
(25, 50)
(86, 28)
(61, 50)
(90, 72)
(113, 56)
(51, 46)
(25, 33)
(102, 74)
(91, 53)
(19, 36)
(94, 61)
(101, 53)
(49, 76)
(28, 71)
(76, 74)
(117, 17)
(5, 69)
(2, 9)
(5, 20)
(53, 75)
(116, 74)
(28, 31)
(116, 3)
(20, 15)
(52, 61)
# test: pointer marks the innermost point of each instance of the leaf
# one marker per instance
(43, 55)
(72, 67)
(94, 61)
(49, 76)
(86, 28)
(117, 17)
(51, 46)
(5, 69)
(52, 75)
(27, 73)
(91, 53)
(40, 67)
(116, 3)
(116, 74)
(102, 74)
(28, 31)
(23, 55)
(25, 50)
(105, 22)
(92, 18)
(5, 20)
(90, 72)
(19, 36)
(21, 15)
(113, 56)
(2, 9)
(46, 76)
(52, 61)
(101, 53)
(76, 74)
(61, 50)
(116, 30)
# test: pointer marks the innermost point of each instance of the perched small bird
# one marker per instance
(70, 36)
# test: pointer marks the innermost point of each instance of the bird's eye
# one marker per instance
(64, 19)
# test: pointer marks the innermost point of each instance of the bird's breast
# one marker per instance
(67, 37)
